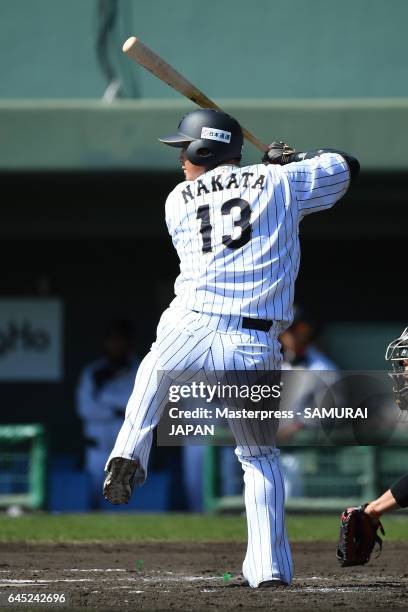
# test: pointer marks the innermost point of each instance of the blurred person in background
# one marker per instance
(103, 392)
(300, 352)
(299, 346)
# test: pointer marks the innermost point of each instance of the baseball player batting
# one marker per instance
(235, 230)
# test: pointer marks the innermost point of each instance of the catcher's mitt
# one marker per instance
(358, 536)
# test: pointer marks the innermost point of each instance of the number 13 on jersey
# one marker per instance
(243, 223)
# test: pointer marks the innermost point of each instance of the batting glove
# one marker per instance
(278, 153)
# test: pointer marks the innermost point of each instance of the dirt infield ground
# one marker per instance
(175, 576)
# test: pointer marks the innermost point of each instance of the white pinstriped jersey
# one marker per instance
(236, 233)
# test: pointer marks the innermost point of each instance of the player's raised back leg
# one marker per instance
(120, 480)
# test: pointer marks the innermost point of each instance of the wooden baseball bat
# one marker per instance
(147, 58)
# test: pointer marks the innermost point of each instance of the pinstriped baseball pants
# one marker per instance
(188, 341)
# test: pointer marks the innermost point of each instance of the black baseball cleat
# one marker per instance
(267, 584)
(239, 581)
(120, 479)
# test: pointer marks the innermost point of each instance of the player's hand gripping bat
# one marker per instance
(144, 56)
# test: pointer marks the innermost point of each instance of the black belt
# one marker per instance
(259, 324)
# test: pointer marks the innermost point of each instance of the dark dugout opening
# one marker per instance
(98, 241)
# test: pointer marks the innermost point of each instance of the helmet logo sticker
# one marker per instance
(213, 134)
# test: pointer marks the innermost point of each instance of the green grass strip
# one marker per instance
(169, 527)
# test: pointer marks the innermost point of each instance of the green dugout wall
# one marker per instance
(90, 135)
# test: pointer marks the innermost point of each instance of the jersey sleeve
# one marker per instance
(318, 183)
(171, 203)
(168, 212)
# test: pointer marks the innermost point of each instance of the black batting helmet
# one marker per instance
(210, 137)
